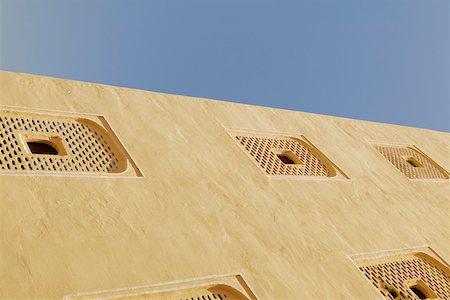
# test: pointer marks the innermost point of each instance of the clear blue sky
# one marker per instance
(384, 60)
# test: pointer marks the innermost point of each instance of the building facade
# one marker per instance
(115, 193)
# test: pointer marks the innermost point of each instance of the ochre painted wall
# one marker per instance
(204, 208)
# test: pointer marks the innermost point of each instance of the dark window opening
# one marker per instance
(393, 293)
(286, 160)
(413, 162)
(41, 148)
(287, 157)
(418, 293)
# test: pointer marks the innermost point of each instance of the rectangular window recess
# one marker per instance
(287, 157)
(411, 161)
(38, 142)
(44, 144)
(225, 287)
(414, 273)
(284, 156)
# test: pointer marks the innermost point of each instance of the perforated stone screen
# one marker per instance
(80, 145)
(399, 276)
(215, 292)
(412, 162)
(286, 156)
(230, 287)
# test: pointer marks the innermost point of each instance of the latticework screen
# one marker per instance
(411, 162)
(228, 287)
(303, 160)
(80, 145)
(395, 277)
(217, 292)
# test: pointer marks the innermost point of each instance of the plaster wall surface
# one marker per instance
(203, 207)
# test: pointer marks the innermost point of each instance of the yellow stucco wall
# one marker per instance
(203, 207)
